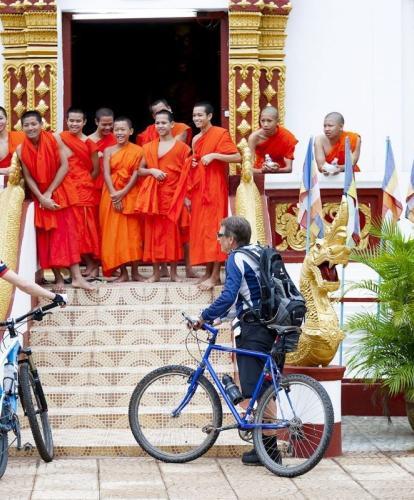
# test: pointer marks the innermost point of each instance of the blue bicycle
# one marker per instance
(20, 378)
(176, 415)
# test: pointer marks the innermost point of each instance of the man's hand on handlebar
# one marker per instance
(61, 299)
(194, 323)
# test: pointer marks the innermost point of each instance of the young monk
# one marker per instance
(45, 169)
(330, 147)
(8, 143)
(83, 163)
(120, 224)
(180, 131)
(213, 149)
(103, 137)
(162, 201)
(272, 146)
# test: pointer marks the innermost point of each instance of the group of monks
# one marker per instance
(103, 200)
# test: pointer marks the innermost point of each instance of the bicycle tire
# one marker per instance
(4, 452)
(174, 439)
(33, 403)
(301, 445)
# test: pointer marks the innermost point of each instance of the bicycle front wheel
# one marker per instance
(174, 439)
(303, 405)
(34, 404)
(4, 452)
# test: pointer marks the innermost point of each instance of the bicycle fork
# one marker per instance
(193, 384)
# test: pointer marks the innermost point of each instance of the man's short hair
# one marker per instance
(30, 114)
(101, 112)
(123, 119)
(74, 109)
(159, 101)
(336, 116)
(165, 112)
(239, 228)
(208, 108)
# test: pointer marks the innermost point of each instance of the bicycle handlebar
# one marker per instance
(205, 326)
(37, 315)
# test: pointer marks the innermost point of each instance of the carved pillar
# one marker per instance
(256, 66)
(29, 38)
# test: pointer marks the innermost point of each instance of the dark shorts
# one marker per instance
(253, 337)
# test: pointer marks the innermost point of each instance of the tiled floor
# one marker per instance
(378, 462)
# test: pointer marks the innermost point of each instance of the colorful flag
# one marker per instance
(353, 232)
(310, 204)
(391, 198)
(409, 212)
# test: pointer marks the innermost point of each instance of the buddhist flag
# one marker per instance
(409, 212)
(391, 199)
(310, 205)
(353, 232)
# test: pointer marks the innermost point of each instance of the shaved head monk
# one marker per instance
(180, 131)
(82, 154)
(103, 137)
(162, 201)
(213, 150)
(272, 146)
(45, 169)
(120, 224)
(330, 147)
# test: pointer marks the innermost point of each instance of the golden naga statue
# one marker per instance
(321, 334)
(11, 205)
(248, 200)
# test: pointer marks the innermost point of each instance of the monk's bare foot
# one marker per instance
(164, 271)
(203, 278)
(208, 284)
(153, 279)
(58, 288)
(175, 278)
(92, 272)
(122, 278)
(82, 283)
(189, 273)
(137, 277)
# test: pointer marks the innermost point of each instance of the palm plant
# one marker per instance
(385, 353)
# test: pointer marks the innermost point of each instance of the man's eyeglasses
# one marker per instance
(220, 235)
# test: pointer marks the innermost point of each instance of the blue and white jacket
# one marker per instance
(242, 277)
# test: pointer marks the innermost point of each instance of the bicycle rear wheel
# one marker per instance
(35, 407)
(174, 439)
(305, 406)
(4, 452)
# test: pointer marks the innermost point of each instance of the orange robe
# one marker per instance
(57, 238)
(151, 134)
(161, 202)
(209, 196)
(338, 149)
(104, 142)
(80, 166)
(121, 231)
(279, 146)
(14, 138)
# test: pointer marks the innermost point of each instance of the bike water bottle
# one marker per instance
(9, 378)
(232, 391)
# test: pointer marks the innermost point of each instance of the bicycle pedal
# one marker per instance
(27, 447)
(208, 429)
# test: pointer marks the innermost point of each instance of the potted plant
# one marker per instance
(385, 352)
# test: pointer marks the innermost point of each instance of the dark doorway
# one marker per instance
(127, 65)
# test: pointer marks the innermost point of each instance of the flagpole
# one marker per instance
(308, 214)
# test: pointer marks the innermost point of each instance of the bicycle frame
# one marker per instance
(9, 354)
(269, 367)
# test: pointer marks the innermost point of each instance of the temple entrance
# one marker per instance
(125, 65)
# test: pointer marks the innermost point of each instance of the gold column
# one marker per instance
(29, 38)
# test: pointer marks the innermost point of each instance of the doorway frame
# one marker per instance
(67, 20)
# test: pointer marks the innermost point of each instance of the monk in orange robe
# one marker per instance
(83, 162)
(213, 149)
(180, 131)
(120, 224)
(272, 146)
(8, 143)
(162, 201)
(330, 147)
(103, 137)
(45, 169)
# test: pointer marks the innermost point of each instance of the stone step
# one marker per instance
(149, 356)
(75, 442)
(117, 316)
(122, 335)
(133, 293)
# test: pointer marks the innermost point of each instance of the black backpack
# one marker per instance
(281, 303)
